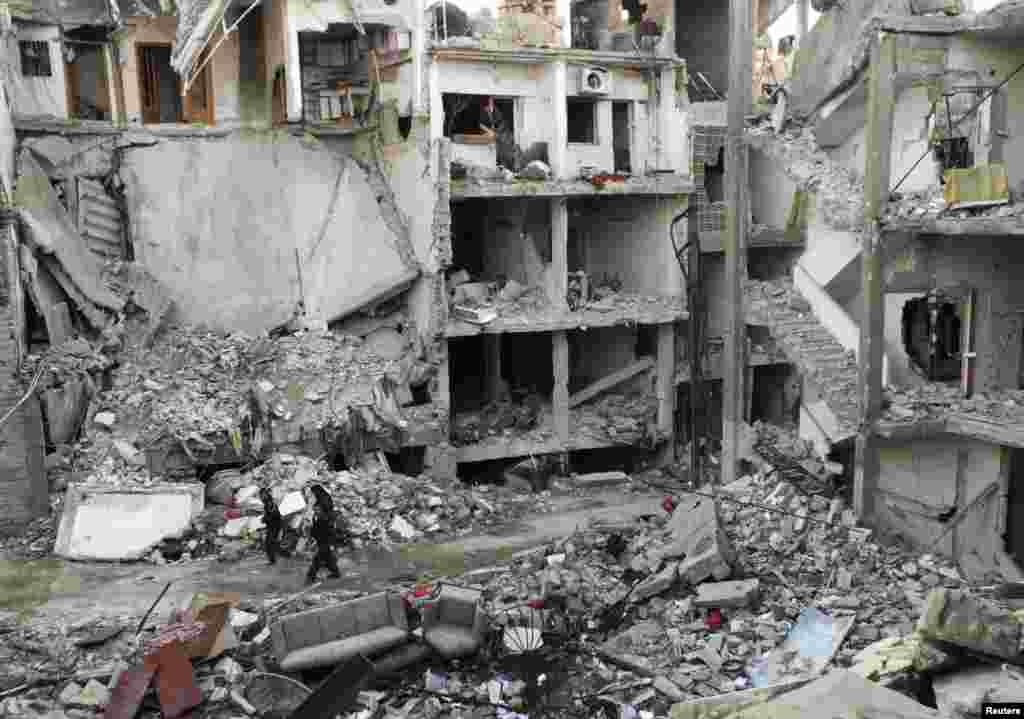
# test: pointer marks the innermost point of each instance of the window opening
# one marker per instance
(35, 58)
(582, 120)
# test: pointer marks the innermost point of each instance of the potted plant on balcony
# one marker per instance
(649, 33)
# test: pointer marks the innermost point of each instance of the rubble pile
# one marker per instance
(840, 192)
(931, 205)
(934, 401)
(380, 506)
(480, 302)
(769, 585)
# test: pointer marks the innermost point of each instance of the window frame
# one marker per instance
(594, 134)
(41, 65)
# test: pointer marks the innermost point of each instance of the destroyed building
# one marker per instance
(925, 298)
(406, 253)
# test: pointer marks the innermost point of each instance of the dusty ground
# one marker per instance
(56, 589)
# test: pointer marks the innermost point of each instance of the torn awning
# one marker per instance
(197, 20)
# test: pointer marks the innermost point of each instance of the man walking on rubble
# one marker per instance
(273, 522)
(324, 534)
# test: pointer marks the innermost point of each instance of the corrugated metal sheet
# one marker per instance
(99, 220)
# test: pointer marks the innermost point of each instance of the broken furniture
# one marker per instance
(372, 626)
(454, 624)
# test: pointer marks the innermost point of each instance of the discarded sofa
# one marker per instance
(454, 625)
(374, 627)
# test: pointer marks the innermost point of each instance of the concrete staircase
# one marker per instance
(830, 410)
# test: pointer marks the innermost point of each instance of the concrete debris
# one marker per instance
(960, 695)
(695, 533)
(973, 623)
(734, 594)
(108, 524)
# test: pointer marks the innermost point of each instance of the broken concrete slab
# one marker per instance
(973, 623)
(837, 694)
(696, 534)
(723, 705)
(894, 655)
(959, 695)
(656, 584)
(105, 523)
(50, 228)
(600, 479)
(734, 594)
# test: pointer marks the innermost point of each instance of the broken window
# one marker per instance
(931, 336)
(35, 58)
(483, 129)
(582, 120)
(336, 67)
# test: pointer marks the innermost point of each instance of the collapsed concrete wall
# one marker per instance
(221, 223)
(921, 483)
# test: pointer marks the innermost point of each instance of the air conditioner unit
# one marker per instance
(594, 81)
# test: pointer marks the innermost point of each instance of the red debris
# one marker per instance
(176, 682)
(535, 604)
(668, 504)
(713, 619)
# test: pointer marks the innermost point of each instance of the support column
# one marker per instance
(559, 288)
(492, 367)
(881, 104)
(293, 73)
(741, 44)
(560, 396)
(558, 150)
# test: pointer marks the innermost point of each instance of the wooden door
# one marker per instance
(73, 89)
(149, 68)
(198, 101)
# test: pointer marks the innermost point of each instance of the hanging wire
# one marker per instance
(957, 123)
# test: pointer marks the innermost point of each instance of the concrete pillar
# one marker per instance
(880, 111)
(558, 152)
(735, 236)
(293, 75)
(802, 18)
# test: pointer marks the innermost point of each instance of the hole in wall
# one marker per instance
(931, 334)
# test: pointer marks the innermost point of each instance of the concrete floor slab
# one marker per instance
(104, 523)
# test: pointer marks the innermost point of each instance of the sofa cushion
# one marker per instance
(452, 641)
(369, 644)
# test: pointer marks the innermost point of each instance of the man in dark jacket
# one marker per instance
(272, 521)
(323, 533)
